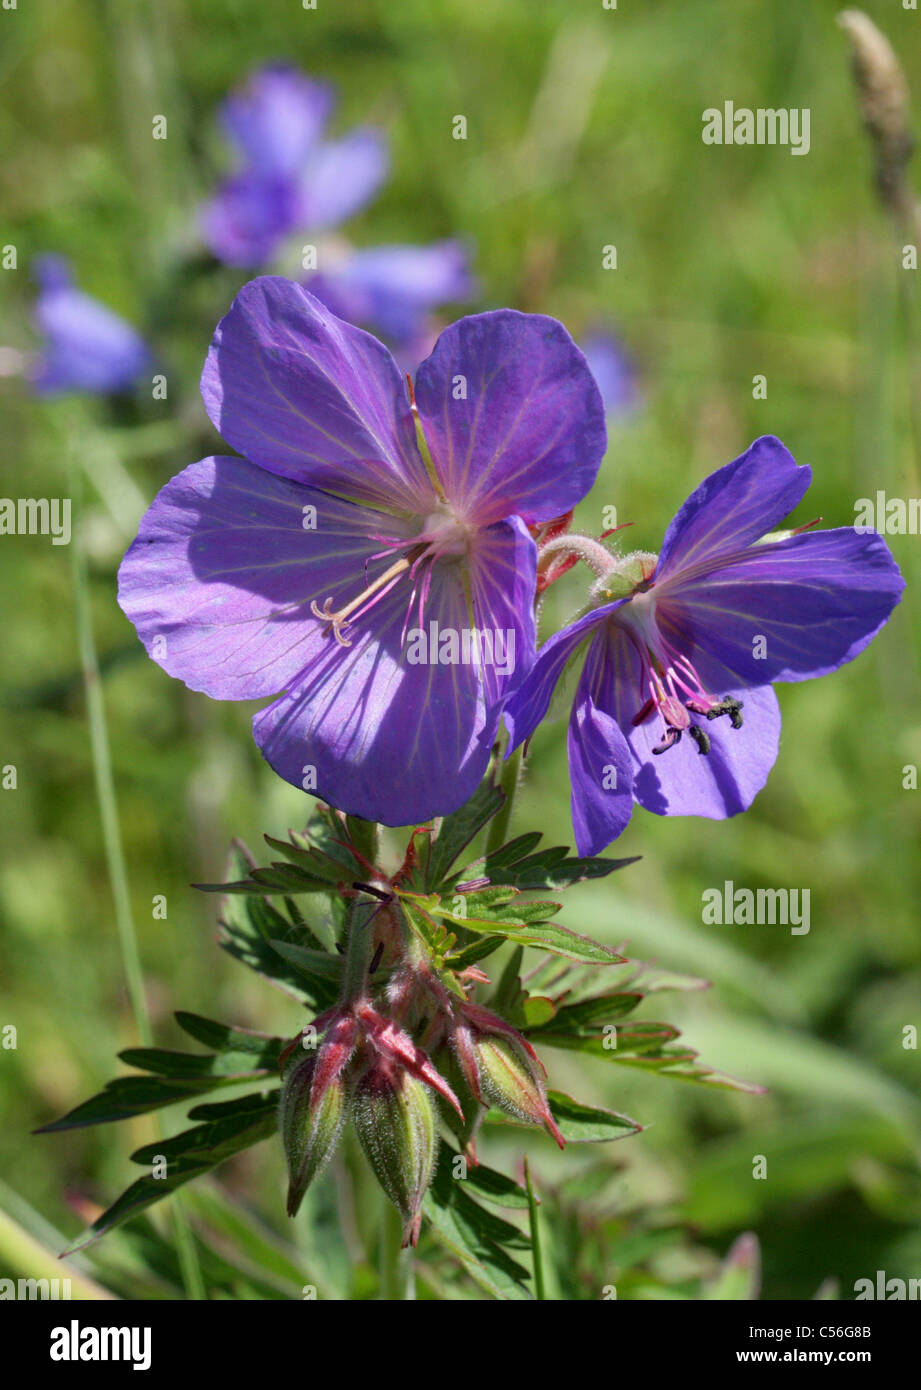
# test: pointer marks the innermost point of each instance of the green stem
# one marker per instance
(115, 858)
(397, 1281)
(508, 781)
(537, 1259)
(358, 950)
(364, 834)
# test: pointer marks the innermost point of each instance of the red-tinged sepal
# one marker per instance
(397, 1047)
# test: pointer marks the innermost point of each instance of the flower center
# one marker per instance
(443, 535)
(670, 682)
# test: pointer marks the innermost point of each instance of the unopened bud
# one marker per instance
(309, 1130)
(511, 1080)
(395, 1119)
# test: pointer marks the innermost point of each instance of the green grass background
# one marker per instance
(583, 130)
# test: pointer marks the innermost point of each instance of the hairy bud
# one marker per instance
(512, 1080)
(394, 1117)
(310, 1126)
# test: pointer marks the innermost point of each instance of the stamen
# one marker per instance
(338, 620)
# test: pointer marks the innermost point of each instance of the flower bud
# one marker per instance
(395, 1120)
(309, 1126)
(511, 1080)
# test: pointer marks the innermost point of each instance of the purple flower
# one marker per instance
(394, 288)
(674, 707)
(614, 371)
(86, 346)
(289, 178)
(368, 561)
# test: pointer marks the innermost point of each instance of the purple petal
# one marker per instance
(529, 704)
(600, 769)
(512, 415)
(733, 507)
(87, 347)
(393, 288)
(341, 177)
(503, 579)
(786, 610)
(684, 782)
(277, 118)
(249, 216)
(379, 736)
(218, 582)
(312, 398)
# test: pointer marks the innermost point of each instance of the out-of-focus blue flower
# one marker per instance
(614, 370)
(86, 347)
(288, 178)
(395, 287)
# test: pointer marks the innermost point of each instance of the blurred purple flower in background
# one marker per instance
(367, 563)
(86, 346)
(291, 180)
(395, 287)
(614, 370)
(694, 640)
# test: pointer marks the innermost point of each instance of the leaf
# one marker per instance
(583, 1017)
(579, 1124)
(678, 1062)
(189, 1155)
(133, 1095)
(222, 1037)
(588, 1124)
(457, 830)
(468, 1231)
(478, 949)
(547, 870)
(249, 925)
(548, 936)
(318, 964)
(495, 1187)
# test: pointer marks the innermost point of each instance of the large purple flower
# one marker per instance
(86, 346)
(368, 561)
(674, 707)
(289, 177)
